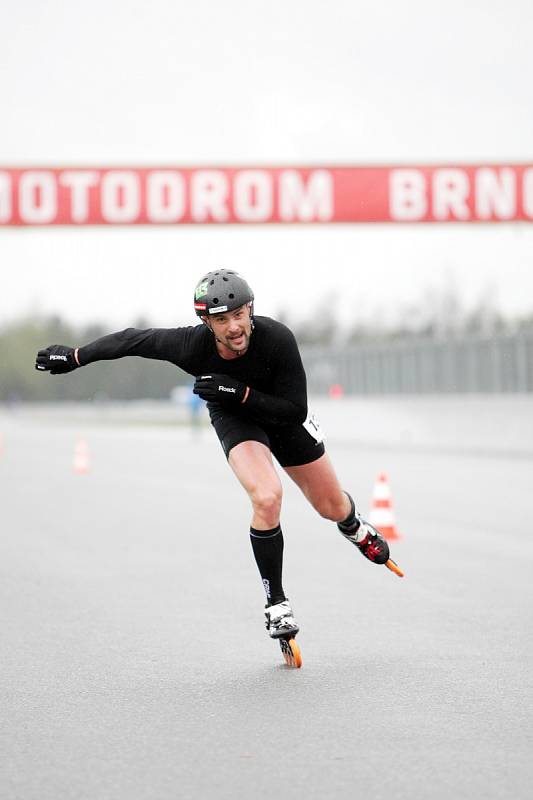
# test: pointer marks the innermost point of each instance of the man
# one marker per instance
(250, 373)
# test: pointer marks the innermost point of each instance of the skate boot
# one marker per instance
(371, 543)
(367, 539)
(282, 627)
(280, 622)
(364, 536)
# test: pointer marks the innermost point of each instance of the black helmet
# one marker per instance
(220, 291)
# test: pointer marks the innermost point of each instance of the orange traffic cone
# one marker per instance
(381, 515)
(82, 460)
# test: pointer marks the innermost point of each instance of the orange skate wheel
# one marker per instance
(393, 566)
(291, 652)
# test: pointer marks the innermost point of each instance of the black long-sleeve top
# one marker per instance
(271, 367)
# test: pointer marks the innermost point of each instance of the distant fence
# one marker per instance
(495, 364)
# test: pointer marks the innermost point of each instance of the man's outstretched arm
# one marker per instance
(166, 344)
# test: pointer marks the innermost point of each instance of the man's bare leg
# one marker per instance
(252, 463)
(320, 485)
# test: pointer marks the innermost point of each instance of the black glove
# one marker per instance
(57, 359)
(220, 388)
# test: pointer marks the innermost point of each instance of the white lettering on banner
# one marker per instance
(495, 193)
(450, 193)
(121, 199)
(252, 195)
(5, 197)
(79, 182)
(301, 203)
(165, 196)
(37, 197)
(464, 193)
(209, 193)
(407, 193)
(527, 192)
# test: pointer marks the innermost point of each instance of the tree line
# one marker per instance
(439, 317)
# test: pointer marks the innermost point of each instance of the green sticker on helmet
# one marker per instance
(201, 290)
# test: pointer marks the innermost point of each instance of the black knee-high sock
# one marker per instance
(350, 525)
(268, 552)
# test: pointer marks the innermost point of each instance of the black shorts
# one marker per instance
(292, 445)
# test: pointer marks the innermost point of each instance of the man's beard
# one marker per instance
(244, 346)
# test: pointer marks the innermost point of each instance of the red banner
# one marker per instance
(258, 195)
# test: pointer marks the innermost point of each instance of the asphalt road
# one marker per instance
(134, 660)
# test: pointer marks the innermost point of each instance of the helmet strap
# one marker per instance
(208, 325)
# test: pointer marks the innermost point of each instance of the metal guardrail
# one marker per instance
(495, 364)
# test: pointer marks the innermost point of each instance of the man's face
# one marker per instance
(233, 328)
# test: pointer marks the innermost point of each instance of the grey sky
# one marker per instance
(173, 83)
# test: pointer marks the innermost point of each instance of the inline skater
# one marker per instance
(248, 369)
